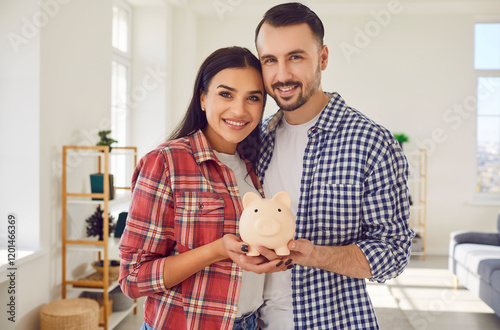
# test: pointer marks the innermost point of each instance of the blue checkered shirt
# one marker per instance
(353, 191)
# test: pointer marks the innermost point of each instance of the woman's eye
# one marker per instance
(254, 98)
(225, 94)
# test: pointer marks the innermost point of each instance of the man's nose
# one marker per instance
(283, 73)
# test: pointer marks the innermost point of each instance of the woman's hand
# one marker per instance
(268, 262)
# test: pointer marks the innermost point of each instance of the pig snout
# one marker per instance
(267, 227)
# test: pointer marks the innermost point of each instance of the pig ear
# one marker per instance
(249, 198)
(283, 197)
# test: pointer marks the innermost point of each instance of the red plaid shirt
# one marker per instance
(182, 198)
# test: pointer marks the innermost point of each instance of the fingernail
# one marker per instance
(279, 263)
(244, 248)
(289, 266)
(288, 261)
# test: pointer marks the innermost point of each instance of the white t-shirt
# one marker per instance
(252, 284)
(283, 174)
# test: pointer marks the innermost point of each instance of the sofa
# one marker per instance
(474, 258)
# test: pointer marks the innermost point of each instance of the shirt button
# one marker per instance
(200, 206)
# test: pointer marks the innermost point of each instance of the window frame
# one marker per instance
(483, 197)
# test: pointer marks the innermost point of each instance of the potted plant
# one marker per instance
(97, 179)
(95, 224)
(402, 138)
(105, 140)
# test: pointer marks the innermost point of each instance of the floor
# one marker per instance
(422, 298)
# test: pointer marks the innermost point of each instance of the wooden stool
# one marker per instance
(70, 314)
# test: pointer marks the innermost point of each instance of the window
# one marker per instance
(120, 87)
(487, 67)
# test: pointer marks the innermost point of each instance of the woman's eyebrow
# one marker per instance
(227, 87)
(234, 89)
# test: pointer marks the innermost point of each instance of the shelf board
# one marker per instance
(123, 197)
(80, 289)
(114, 152)
(92, 245)
(116, 317)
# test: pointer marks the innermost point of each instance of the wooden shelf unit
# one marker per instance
(102, 247)
(418, 192)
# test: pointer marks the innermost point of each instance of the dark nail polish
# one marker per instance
(244, 248)
(289, 266)
(288, 261)
(279, 263)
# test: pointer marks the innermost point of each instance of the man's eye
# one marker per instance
(269, 61)
(296, 57)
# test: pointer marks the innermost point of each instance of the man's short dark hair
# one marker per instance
(290, 14)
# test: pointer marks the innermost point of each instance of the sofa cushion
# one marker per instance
(470, 255)
(495, 280)
(487, 267)
(473, 237)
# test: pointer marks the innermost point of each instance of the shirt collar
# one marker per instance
(203, 151)
(328, 120)
(201, 147)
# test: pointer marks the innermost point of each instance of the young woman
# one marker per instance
(179, 247)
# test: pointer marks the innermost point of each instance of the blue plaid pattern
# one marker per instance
(353, 191)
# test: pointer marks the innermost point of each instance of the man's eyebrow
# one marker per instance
(296, 51)
(292, 52)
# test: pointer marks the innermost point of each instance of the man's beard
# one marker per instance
(303, 96)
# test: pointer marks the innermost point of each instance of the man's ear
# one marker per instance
(323, 57)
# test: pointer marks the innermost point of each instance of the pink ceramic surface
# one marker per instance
(267, 222)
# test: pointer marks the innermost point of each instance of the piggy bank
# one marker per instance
(267, 222)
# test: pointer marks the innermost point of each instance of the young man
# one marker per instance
(347, 177)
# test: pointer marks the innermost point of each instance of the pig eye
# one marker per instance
(279, 210)
(256, 210)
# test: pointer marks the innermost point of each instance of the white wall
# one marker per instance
(54, 90)
(20, 154)
(20, 120)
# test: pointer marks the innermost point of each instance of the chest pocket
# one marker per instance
(340, 209)
(199, 218)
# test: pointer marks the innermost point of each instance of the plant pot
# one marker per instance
(97, 185)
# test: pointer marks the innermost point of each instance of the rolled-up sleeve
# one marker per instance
(148, 236)
(386, 239)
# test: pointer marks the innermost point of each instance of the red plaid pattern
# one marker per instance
(182, 198)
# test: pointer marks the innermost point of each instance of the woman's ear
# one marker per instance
(202, 100)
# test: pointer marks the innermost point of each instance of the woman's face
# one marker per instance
(233, 105)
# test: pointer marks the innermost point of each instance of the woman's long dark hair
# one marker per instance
(195, 119)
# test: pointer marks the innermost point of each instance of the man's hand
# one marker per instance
(301, 251)
(346, 260)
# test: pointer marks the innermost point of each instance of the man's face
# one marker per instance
(291, 62)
